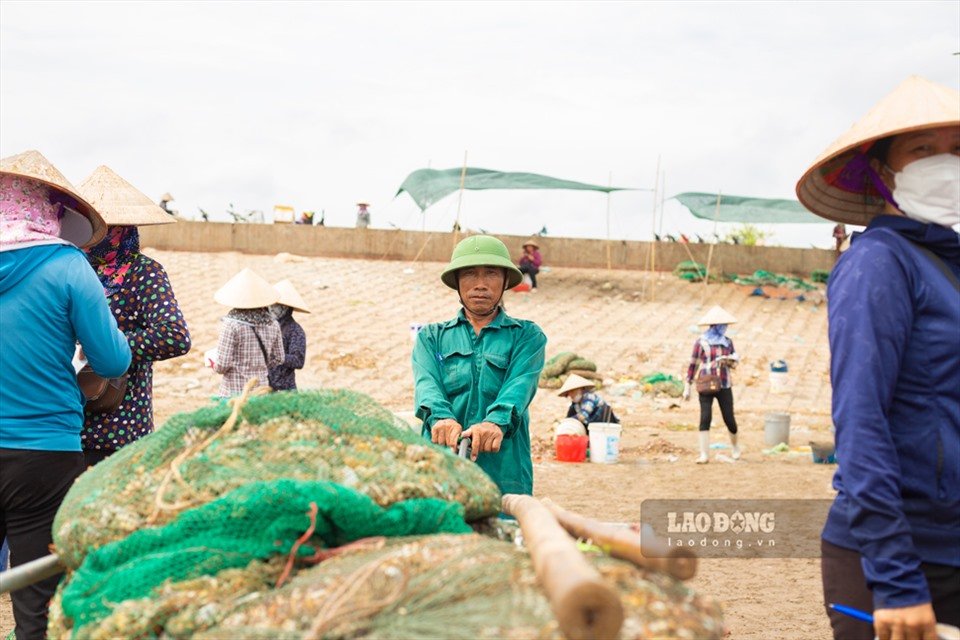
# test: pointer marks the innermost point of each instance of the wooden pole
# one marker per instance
(586, 607)
(706, 274)
(463, 178)
(609, 261)
(646, 552)
(653, 230)
(663, 190)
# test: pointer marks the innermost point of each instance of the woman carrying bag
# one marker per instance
(142, 301)
(250, 341)
(713, 358)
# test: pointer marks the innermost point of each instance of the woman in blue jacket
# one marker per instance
(50, 299)
(891, 543)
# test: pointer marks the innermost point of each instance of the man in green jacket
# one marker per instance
(475, 375)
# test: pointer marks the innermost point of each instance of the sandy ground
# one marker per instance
(631, 324)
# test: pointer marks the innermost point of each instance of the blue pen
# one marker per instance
(853, 613)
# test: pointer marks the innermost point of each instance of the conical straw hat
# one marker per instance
(574, 381)
(167, 197)
(82, 231)
(246, 290)
(915, 105)
(717, 315)
(119, 202)
(531, 243)
(290, 297)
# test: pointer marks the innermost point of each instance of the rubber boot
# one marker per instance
(704, 447)
(734, 448)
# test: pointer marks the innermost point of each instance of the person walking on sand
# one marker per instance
(283, 377)
(530, 262)
(250, 341)
(142, 301)
(586, 405)
(50, 299)
(891, 542)
(475, 375)
(713, 358)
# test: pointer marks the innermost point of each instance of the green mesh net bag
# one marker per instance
(431, 586)
(335, 436)
(260, 521)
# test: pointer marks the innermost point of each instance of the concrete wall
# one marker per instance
(379, 244)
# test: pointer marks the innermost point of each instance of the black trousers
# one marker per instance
(94, 456)
(844, 583)
(531, 271)
(725, 400)
(32, 486)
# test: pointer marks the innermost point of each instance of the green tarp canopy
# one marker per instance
(428, 186)
(741, 209)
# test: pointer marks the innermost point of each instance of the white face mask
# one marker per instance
(928, 189)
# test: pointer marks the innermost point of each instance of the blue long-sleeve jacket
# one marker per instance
(50, 299)
(894, 324)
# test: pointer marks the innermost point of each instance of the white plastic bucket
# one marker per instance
(776, 429)
(604, 442)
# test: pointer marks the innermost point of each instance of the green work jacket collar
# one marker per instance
(502, 320)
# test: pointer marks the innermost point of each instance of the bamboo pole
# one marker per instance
(645, 551)
(653, 225)
(463, 179)
(609, 184)
(663, 191)
(585, 606)
(653, 231)
(706, 274)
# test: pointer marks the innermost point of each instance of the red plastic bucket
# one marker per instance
(572, 448)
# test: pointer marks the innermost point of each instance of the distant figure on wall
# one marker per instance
(363, 215)
(306, 218)
(165, 201)
(530, 262)
(840, 236)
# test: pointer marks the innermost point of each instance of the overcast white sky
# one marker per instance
(318, 105)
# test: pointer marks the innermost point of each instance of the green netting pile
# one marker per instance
(557, 368)
(438, 586)
(312, 515)
(334, 436)
(821, 276)
(255, 522)
(761, 278)
(662, 383)
(692, 271)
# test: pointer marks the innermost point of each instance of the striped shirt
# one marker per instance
(707, 358)
(591, 408)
